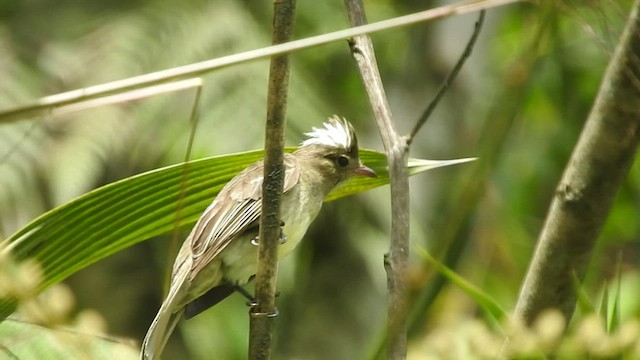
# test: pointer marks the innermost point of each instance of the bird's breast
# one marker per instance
(297, 211)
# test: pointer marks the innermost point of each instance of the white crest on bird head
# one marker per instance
(336, 132)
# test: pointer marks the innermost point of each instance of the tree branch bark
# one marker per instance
(397, 149)
(263, 313)
(596, 169)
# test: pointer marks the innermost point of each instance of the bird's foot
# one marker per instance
(251, 301)
(255, 313)
(283, 238)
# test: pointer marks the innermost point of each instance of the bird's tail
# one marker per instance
(165, 321)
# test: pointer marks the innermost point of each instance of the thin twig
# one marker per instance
(41, 106)
(397, 149)
(500, 120)
(263, 313)
(174, 243)
(452, 75)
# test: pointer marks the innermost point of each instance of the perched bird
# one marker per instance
(220, 254)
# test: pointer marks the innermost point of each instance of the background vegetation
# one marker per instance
(519, 105)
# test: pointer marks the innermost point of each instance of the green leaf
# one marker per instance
(583, 302)
(378, 162)
(23, 340)
(615, 318)
(604, 304)
(490, 306)
(116, 216)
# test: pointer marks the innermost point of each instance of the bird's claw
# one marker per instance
(283, 238)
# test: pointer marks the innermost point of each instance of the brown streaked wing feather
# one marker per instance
(237, 208)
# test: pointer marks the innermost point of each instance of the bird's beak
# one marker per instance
(364, 170)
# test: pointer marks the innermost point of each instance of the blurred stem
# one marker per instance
(596, 169)
(397, 149)
(263, 313)
(463, 196)
(50, 104)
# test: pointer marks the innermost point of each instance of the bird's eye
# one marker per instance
(342, 161)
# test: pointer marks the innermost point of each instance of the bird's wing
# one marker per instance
(236, 209)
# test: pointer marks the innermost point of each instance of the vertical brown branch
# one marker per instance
(596, 169)
(264, 312)
(396, 149)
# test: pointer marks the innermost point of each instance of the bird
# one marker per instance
(220, 254)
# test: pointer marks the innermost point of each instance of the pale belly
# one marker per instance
(240, 257)
(237, 263)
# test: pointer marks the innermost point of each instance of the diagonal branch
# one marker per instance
(596, 169)
(45, 105)
(452, 76)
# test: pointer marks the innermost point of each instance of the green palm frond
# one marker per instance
(116, 216)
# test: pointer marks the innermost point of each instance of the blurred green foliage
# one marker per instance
(519, 104)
